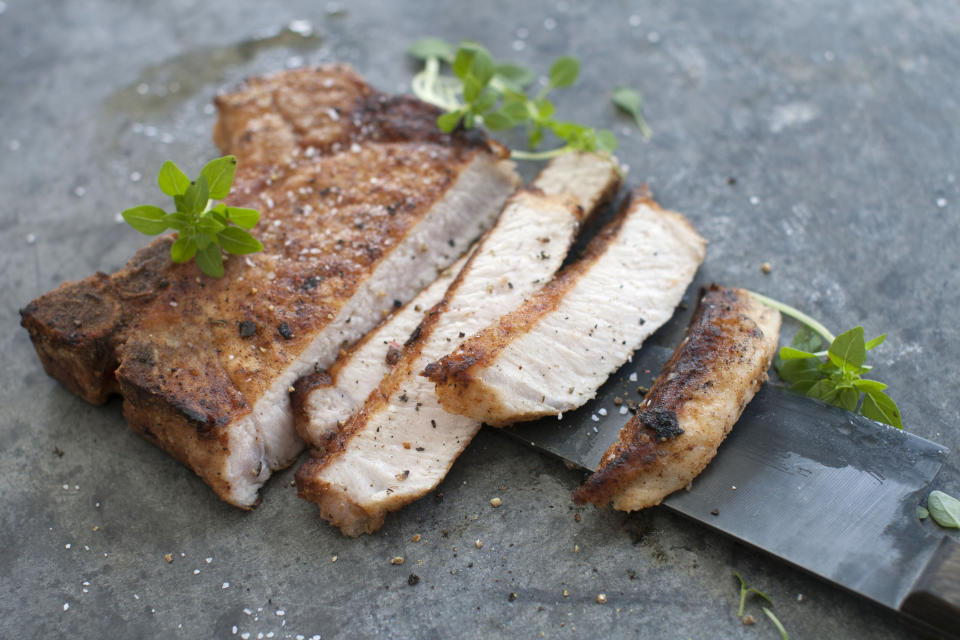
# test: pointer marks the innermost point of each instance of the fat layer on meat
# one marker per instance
(693, 404)
(323, 400)
(362, 201)
(401, 444)
(551, 354)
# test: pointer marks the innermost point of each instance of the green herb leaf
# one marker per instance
(922, 513)
(237, 241)
(806, 339)
(178, 221)
(209, 224)
(243, 218)
(424, 48)
(944, 509)
(783, 632)
(864, 384)
(497, 121)
(219, 174)
(172, 180)
(876, 341)
(449, 121)
(146, 219)
(196, 197)
(630, 101)
(183, 249)
(210, 260)
(789, 353)
(880, 407)
(848, 399)
(202, 240)
(514, 77)
(564, 72)
(606, 141)
(485, 101)
(848, 349)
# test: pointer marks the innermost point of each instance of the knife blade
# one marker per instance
(825, 490)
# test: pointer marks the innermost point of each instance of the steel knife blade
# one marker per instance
(826, 490)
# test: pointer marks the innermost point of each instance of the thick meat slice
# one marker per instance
(324, 399)
(362, 200)
(552, 353)
(693, 404)
(401, 444)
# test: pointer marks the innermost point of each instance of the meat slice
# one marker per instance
(324, 399)
(401, 444)
(362, 201)
(693, 404)
(552, 353)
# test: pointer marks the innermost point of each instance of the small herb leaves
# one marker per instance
(944, 509)
(494, 95)
(203, 229)
(746, 590)
(630, 101)
(833, 375)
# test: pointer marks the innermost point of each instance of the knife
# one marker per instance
(823, 489)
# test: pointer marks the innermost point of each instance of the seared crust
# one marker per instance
(341, 175)
(693, 404)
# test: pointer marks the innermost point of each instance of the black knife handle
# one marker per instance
(935, 597)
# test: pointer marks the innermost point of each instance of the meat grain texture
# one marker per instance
(692, 405)
(362, 199)
(552, 353)
(401, 443)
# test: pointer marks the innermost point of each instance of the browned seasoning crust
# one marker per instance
(453, 373)
(337, 171)
(693, 404)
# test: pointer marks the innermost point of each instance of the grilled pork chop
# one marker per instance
(401, 444)
(322, 400)
(362, 201)
(552, 353)
(692, 405)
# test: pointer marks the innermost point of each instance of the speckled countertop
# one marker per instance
(820, 137)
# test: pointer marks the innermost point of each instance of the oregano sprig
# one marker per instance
(203, 228)
(483, 92)
(835, 374)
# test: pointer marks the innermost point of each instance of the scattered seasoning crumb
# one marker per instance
(413, 580)
(512, 596)
(799, 597)
(601, 598)
(577, 517)
(749, 619)
(58, 452)
(618, 401)
(290, 389)
(96, 528)
(576, 548)
(643, 390)
(566, 594)
(715, 512)
(333, 558)
(766, 268)
(495, 502)
(416, 537)
(734, 487)
(396, 560)
(479, 543)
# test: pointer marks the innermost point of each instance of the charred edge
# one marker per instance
(617, 474)
(663, 423)
(455, 367)
(301, 392)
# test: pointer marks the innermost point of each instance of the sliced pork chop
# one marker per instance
(401, 444)
(692, 405)
(552, 353)
(362, 201)
(324, 399)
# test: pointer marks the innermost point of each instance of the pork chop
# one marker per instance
(551, 354)
(401, 444)
(362, 201)
(323, 400)
(692, 405)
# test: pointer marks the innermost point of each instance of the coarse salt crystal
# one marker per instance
(66, 606)
(623, 410)
(209, 560)
(633, 377)
(594, 417)
(196, 571)
(225, 585)
(602, 411)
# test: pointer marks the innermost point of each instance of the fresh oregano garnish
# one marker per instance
(833, 375)
(944, 509)
(483, 92)
(746, 590)
(202, 227)
(630, 101)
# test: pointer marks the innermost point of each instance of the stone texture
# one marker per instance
(837, 122)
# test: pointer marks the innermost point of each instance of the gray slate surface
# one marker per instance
(838, 122)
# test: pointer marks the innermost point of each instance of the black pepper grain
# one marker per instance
(247, 328)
